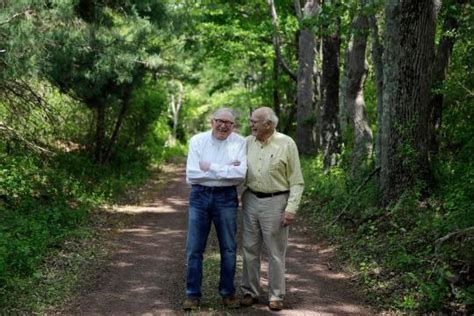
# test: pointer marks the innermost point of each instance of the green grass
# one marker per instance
(46, 205)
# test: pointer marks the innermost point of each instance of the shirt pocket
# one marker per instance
(277, 166)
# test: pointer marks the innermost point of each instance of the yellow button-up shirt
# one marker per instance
(274, 166)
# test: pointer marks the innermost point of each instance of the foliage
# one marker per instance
(43, 202)
(393, 251)
(62, 60)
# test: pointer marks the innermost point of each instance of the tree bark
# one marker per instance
(408, 64)
(330, 131)
(443, 57)
(275, 80)
(175, 107)
(357, 69)
(118, 123)
(291, 110)
(305, 112)
(305, 116)
(377, 58)
(99, 132)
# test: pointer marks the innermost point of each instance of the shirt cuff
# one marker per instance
(291, 209)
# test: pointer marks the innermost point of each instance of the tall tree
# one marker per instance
(357, 68)
(176, 102)
(99, 56)
(330, 130)
(22, 42)
(377, 59)
(305, 99)
(305, 113)
(453, 9)
(408, 63)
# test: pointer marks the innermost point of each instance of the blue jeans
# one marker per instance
(208, 205)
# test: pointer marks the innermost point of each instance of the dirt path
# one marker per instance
(145, 275)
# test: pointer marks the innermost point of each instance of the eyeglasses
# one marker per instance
(222, 122)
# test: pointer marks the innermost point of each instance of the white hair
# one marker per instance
(271, 116)
(224, 110)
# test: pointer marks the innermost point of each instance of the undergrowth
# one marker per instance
(43, 204)
(398, 253)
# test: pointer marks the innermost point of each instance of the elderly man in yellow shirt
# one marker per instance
(274, 186)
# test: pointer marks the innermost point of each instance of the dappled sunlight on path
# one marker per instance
(147, 269)
(146, 273)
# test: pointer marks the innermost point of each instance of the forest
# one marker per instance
(377, 94)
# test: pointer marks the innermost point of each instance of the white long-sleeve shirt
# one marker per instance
(204, 147)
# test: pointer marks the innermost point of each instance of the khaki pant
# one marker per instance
(262, 224)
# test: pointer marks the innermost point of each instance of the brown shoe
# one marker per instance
(191, 304)
(248, 300)
(231, 302)
(275, 305)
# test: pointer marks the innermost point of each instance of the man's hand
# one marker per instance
(287, 218)
(204, 165)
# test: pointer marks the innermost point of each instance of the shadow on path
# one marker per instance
(146, 273)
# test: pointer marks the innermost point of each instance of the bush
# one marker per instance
(393, 251)
(44, 202)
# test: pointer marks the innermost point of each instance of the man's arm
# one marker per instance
(193, 168)
(236, 170)
(295, 179)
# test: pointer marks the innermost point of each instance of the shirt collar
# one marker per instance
(216, 141)
(268, 140)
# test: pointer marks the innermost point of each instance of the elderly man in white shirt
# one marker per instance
(216, 164)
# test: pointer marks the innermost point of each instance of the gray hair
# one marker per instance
(224, 110)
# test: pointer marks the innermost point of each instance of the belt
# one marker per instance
(262, 195)
(223, 188)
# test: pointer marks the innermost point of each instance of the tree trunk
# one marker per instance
(305, 110)
(291, 110)
(118, 124)
(443, 57)
(175, 107)
(276, 41)
(305, 116)
(377, 55)
(408, 63)
(357, 69)
(99, 132)
(330, 131)
(275, 80)
(317, 95)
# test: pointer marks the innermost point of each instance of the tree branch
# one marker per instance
(441, 240)
(276, 41)
(299, 13)
(12, 134)
(14, 16)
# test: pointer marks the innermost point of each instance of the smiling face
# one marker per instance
(260, 124)
(222, 125)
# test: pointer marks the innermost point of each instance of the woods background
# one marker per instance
(377, 94)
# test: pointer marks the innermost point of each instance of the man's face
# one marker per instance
(222, 125)
(259, 126)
